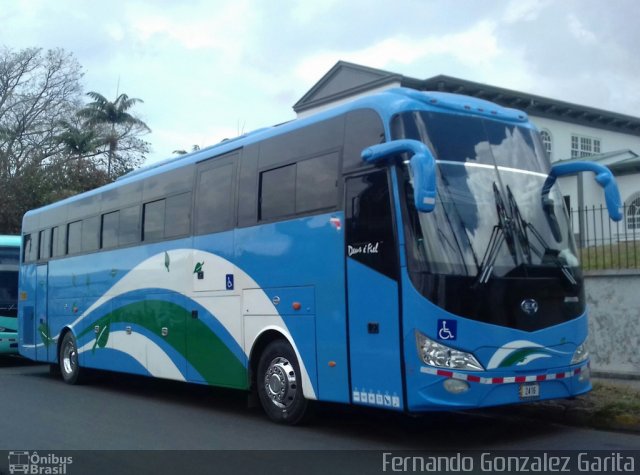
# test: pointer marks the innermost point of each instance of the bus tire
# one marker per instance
(68, 360)
(279, 384)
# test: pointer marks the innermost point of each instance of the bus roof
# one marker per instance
(386, 104)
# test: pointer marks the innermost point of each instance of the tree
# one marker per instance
(182, 151)
(48, 150)
(120, 128)
(38, 90)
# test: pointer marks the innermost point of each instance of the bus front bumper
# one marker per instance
(439, 389)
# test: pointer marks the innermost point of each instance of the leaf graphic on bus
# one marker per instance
(167, 261)
(43, 330)
(198, 267)
(103, 337)
(523, 356)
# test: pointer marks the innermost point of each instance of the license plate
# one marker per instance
(529, 391)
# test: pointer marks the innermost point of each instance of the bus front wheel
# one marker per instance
(279, 384)
(68, 359)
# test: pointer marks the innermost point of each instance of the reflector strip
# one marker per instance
(501, 380)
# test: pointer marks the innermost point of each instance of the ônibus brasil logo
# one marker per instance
(22, 461)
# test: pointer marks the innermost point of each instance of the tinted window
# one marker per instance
(369, 226)
(43, 252)
(9, 256)
(277, 192)
(317, 183)
(153, 225)
(110, 226)
(74, 237)
(26, 248)
(55, 242)
(177, 215)
(129, 228)
(363, 129)
(91, 234)
(247, 189)
(214, 199)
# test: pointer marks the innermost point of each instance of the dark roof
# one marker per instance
(347, 79)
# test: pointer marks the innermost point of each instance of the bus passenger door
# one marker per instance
(372, 292)
(42, 321)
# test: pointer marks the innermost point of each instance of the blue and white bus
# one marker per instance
(407, 251)
(9, 266)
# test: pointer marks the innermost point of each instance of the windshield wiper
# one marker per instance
(502, 232)
(520, 228)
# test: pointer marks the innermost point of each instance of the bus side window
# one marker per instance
(277, 192)
(177, 220)
(74, 237)
(215, 197)
(109, 234)
(317, 183)
(26, 248)
(129, 225)
(42, 249)
(153, 220)
(91, 234)
(53, 245)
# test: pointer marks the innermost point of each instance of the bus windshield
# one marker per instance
(492, 232)
(9, 257)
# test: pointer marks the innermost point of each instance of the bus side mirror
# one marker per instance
(603, 177)
(422, 166)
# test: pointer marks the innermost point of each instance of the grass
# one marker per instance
(610, 406)
(621, 255)
(613, 405)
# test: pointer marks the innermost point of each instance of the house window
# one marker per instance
(584, 146)
(546, 142)
(633, 213)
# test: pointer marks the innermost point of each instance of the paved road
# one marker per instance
(135, 413)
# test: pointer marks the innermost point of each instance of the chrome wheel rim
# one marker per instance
(280, 383)
(69, 358)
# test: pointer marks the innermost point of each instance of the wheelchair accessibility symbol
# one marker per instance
(447, 329)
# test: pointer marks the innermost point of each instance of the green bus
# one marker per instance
(9, 265)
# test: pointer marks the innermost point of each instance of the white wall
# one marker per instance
(561, 133)
(614, 313)
(561, 137)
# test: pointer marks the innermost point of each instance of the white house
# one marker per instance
(569, 132)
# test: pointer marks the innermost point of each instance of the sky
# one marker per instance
(213, 69)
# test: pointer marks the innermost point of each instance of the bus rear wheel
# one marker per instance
(280, 386)
(68, 360)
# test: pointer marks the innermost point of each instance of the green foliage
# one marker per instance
(620, 255)
(51, 146)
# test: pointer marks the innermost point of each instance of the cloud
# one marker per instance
(474, 47)
(205, 66)
(579, 31)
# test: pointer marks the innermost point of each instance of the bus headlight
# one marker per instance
(580, 354)
(442, 356)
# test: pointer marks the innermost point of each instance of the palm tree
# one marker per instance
(78, 141)
(115, 117)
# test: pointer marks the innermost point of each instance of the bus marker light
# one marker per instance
(332, 364)
(296, 306)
